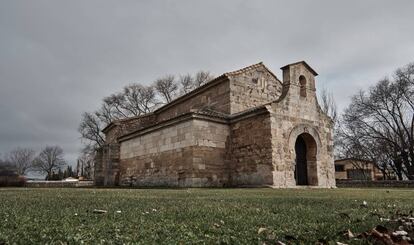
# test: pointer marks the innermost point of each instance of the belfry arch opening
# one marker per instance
(306, 162)
(302, 84)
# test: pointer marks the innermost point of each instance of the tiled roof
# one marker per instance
(195, 91)
(212, 113)
(301, 62)
(247, 68)
(120, 121)
(251, 67)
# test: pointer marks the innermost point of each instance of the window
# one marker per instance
(359, 174)
(302, 84)
(339, 168)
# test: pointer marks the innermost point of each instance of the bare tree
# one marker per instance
(1, 160)
(328, 104)
(49, 160)
(202, 77)
(364, 148)
(105, 114)
(134, 100)
(91, 129)
(85, 165)
(167, 87)
(186, 83)
(382, 119)
(189, 83)
(115, 104)
(21, 159)
(140, 99)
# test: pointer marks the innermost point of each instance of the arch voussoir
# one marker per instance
(310, 137)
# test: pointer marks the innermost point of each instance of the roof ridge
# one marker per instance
(135, 117)
(244, 69)
(239, 71)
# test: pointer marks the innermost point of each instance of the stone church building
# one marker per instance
(244, 128)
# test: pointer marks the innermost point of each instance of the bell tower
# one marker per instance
(299, 80)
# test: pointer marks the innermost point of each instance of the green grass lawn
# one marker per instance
(170, 216)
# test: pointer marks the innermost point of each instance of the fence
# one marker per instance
(58, 183)
(376, 183)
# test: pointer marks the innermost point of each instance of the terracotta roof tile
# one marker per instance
(301, 62)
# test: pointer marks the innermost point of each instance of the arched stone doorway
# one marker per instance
(305, 160)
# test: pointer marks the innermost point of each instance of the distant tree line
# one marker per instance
(133, 100)
(49, 162)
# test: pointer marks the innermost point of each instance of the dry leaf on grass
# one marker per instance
(348, 234)
(261, 230)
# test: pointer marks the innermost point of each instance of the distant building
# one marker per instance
(9, 177)
(356, 169)
(244, 128)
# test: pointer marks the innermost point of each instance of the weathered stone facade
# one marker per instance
(244, 128)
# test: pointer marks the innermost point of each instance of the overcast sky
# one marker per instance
(60, 58)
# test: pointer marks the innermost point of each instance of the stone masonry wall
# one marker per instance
(189, 153)
(107, 165)
(253, 88)
(297, 115)
(216, 97)
(111, 136)
(251, 151)
(128, 125)
(257, 148)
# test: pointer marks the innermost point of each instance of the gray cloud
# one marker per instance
(59, 58)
